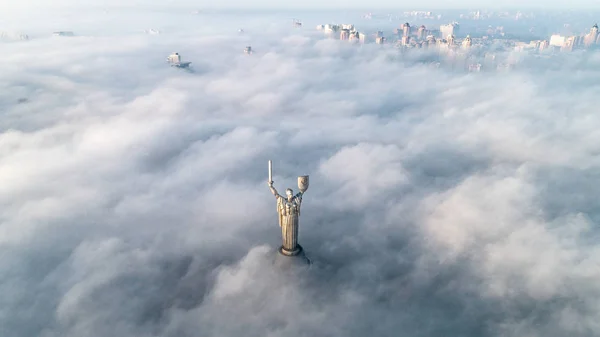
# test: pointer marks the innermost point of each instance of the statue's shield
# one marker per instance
(303, 183)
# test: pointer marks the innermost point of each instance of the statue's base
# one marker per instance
(297, 251)
(295, 258)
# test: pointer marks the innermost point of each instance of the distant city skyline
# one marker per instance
(309, 4)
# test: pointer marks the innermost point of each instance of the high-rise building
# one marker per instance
(421, 32)
(446, 30)
(362, 37)
(429, 41)
(569, 44)
(380, 40)
(344, 34)
(449, 29)
(406, 40)
(450, 40)
(406, 29)
(330, 29)
(174, 58)
(519, 46)
(175, 61)
(592, 37)
(467, 42)
(557, 40)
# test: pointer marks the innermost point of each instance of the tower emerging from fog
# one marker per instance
(592, 36)
(379, 39)
(344, 34)
(450, 40)
(405, 41)
(449, 29)
(421, 32)
(467, 42)
(406, 29)
(288, 209)
(175, 61)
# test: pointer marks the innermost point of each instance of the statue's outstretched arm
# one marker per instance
(273, 190)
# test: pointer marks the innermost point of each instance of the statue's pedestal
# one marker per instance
(296, 259)
(298, 251)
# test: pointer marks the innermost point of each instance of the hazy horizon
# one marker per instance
(309, 5)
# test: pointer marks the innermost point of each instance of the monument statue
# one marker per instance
(288, 208)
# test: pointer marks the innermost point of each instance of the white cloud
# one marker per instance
(134, 198)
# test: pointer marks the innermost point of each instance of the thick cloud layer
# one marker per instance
(134, 198)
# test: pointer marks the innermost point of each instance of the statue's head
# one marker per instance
(289, 193)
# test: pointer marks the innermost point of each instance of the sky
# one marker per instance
(135, 202)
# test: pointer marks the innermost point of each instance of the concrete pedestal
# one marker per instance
(296, 260)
